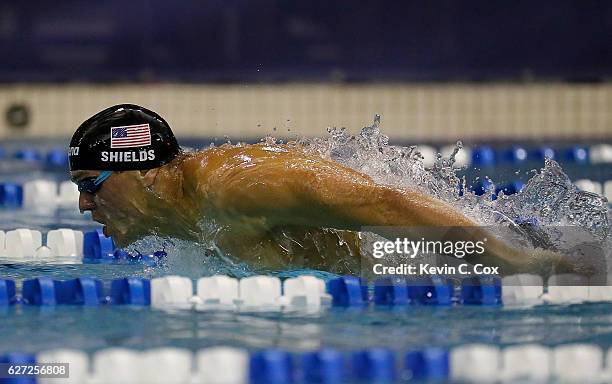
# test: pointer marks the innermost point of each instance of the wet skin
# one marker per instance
(272, 206)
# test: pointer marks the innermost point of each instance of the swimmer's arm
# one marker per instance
(326, 194)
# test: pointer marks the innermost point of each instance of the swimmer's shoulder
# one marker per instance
(229, 160)
(258, 151)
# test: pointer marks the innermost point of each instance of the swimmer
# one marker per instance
(268, 205)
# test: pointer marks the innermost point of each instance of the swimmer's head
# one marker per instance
(132, 142)
(124, 137)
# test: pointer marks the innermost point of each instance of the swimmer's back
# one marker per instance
(227, 158)
(218, 167)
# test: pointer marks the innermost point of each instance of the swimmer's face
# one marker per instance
(120, 204)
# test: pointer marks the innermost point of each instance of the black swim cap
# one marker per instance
(124, 137)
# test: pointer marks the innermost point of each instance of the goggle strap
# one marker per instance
(102, 176)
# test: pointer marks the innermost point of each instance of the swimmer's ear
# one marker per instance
(148, 176)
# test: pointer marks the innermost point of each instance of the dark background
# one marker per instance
(279, 40)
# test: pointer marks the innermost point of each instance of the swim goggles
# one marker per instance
(93, 184)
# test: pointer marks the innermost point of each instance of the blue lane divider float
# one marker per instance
(576, 155)
(80, 291)
(388, 291)
(484, 290)
(348, 291)
(11, 195)
(131, 291)
(432, 290)
(39, 291)
(44, 291)
(28, 154)
(18, 358)
(326, 365)
(515, 155)
(271, 366)
(544, 152)
(7, 292)
(483, 156)
(427, 364)
(57, 158)
(375, 365)
(97, 246)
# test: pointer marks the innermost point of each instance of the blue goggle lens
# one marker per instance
(93, 184)
(89, 185)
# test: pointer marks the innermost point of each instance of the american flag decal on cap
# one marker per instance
(131, 136)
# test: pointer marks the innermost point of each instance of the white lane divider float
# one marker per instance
(522, 289)
(578, 363)
(462, 158)
(116, 365)
(589, 186)
(600, 153)
(40, 194)
(166, 366)
(44, 253)
(222, 365)
(250, 292)
(68, 195)
(607, 190)
(260, 291)
(171, 291)
(65, 242)
(567, 289)
(526, 363)
(2, 244)
(78, 368)
(429, 155)
(479, 363)
(218, 290)
(22, 243)
(305, 291)
(600, 293)
(26, 244)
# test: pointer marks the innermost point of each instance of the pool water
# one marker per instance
(34, 329)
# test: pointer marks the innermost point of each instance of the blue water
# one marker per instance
(33, 329)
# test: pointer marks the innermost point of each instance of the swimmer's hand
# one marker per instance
(544, 262)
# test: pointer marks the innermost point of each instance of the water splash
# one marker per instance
(548, 198)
